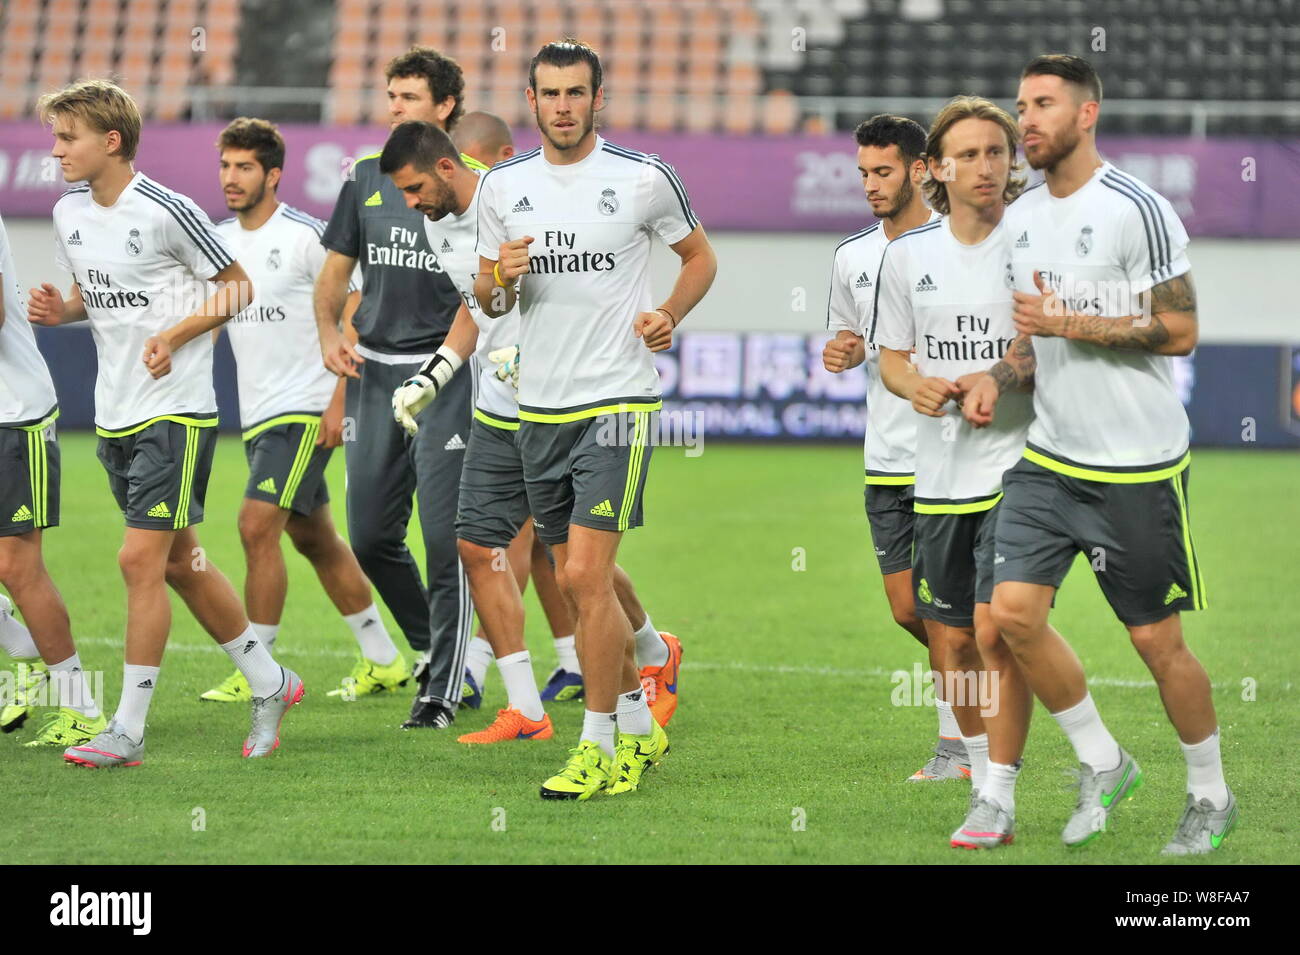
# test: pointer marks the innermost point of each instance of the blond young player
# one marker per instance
(139, 255)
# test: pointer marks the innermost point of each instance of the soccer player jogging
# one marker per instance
(588, 388)
(47, 659)
(405, 316)
(944, 293)
(139, 255)
(292, 414)
(1103, 297)
(890, 150)
(493, 505)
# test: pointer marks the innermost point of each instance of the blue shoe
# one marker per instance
(470, 695)
(562, 687)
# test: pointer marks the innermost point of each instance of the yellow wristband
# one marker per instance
(496, 274)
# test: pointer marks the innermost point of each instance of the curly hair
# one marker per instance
(258, 135)
(442, 73)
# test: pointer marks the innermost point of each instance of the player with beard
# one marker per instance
(292, 414)
(493, 509)
(588, 388)
(1103, 297)
(890, 158)
(404, 319)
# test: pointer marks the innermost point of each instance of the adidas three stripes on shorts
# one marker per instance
(590, 472)
(158, 470)
(29, 478)
(286, 466)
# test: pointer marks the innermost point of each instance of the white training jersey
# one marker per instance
(592, 223)
(141, 265)
(1099, 248)
(275, 340)
(26, 390)
(452, 240)
(952, 303)
(889, 445)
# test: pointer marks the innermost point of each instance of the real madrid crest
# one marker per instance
(1009, 276)
(133, 243)
(273, 260)
(1084, 245)
(607, 203)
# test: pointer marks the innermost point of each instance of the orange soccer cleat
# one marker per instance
(511, 724)
(660, 683)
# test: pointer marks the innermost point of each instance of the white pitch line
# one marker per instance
(733, 666)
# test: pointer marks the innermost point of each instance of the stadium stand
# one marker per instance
(742, 66)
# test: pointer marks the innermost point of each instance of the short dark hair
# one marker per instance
(1072, 69)
(416, 144)
(441, 72)
(886, 130)
(258, 135)
(567, 52)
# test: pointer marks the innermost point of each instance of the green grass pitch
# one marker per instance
(786, 747)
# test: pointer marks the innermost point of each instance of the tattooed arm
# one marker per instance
(1168, 325)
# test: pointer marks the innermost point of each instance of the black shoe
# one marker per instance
(429, 714)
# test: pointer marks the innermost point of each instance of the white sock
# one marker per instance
(73, 691)
(599, 728)
(977, 748)
(948, 728)
(1205, 771)
(264, 675)
(516, 671)
(266, 632)
(138, 684)
(1092, 742)
(15, 638)
(479, 658)
(634, 713)
(651, 649)
(368, 627)
(566, 648)
(1000, 785)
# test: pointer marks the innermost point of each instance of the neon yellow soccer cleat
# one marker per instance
(66, 727)
(587, 772)
(233, 689)
(634, 755)
(29, 678)
(368, 678)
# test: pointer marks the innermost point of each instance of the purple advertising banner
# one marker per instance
(1220, 187)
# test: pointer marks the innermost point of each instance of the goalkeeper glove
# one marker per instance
(417, 392)
(507, 362)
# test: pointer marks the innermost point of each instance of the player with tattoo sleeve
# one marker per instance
(1103, 298)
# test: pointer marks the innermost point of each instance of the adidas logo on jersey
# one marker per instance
(1023, 241)
(603, 509)
(446, 246)
(75, 238)
(522, 206)
(926, 284)
(23, 513)
(1174, 593)
(454, 443)
(268, 486)
(159, 510)
(864, 281)
(375, 200)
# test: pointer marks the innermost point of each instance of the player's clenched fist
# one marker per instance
(512, 258)
(655, 329)
(157, 356)
(44, 305)
(931, 394)
(981, 397)
(841, 353)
